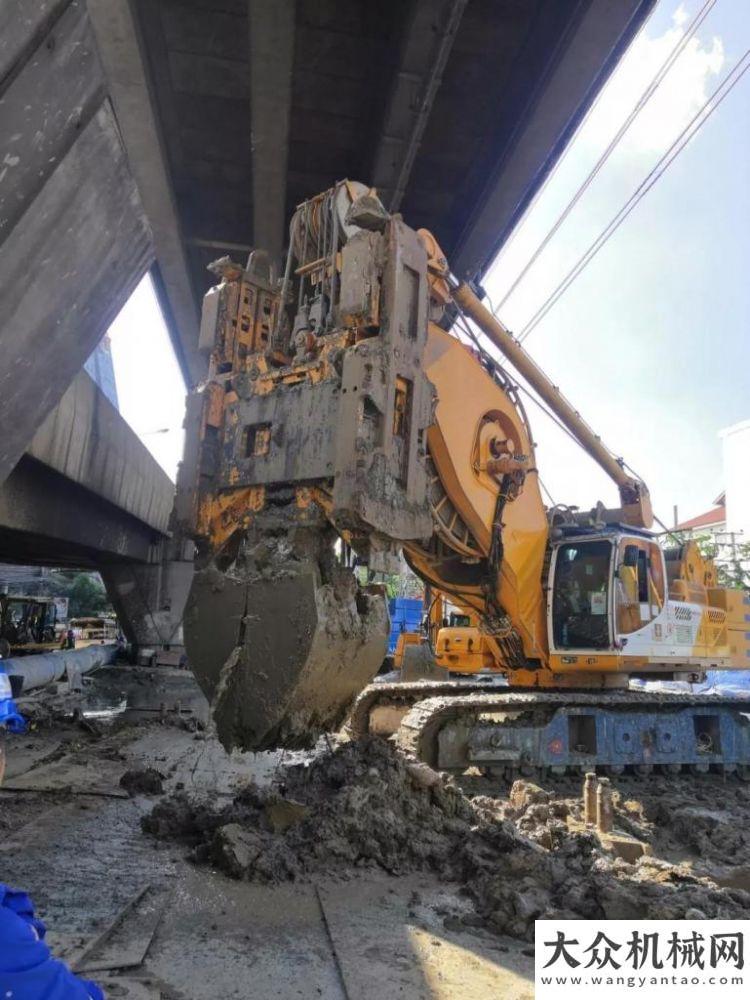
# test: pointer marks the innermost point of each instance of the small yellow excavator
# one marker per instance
(343, 412)
(27, 625)
(448, 640)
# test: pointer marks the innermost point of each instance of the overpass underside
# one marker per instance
(87, 494)
(159, 136)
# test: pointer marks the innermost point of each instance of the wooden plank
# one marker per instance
(128, 945)
(19, 761)
(94, 777)
(37, 830)
(385, 948)
(111, 927)
(332, 942)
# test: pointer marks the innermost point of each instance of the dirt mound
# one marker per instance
(714, 823)
(142, 781)
(365, 804)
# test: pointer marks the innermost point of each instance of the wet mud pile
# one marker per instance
(364, 805)
(142, 781)
(713, 823)
(703, 822)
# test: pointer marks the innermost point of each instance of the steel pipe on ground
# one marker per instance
(46, 668)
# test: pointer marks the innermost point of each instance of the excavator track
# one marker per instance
(399, 698)
(516, 733)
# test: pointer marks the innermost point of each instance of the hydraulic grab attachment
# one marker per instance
(306, 444)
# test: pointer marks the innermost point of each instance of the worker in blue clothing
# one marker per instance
(11, 720)
(27, 969)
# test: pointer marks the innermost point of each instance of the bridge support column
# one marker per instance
(149, 598)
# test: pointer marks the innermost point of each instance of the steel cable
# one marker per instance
(691, 129)
(634, 112)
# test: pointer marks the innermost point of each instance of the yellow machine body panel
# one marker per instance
(736, 605)
(405, 639)
(464, 650)
(471, 411)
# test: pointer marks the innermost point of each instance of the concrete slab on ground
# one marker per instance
(80, 777)
(390, 942)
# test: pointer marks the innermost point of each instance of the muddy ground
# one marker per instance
(334, 872)
(521, 857)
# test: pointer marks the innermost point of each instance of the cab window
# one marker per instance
(639, 584)
(580, 595)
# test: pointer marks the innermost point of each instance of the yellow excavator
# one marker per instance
(344, 421)
(448, 640)
(27, 625)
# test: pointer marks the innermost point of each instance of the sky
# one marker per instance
(650, 343)
(150, 387)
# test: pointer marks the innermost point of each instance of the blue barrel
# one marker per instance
(406, 616)
(10, 718)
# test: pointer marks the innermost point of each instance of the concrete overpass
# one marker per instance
(140, 135)
(234, 111)
(88, 494)
(85, 490)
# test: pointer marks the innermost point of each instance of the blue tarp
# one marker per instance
(723, 682)
(10, 718)
(406, 616)
(27, 969)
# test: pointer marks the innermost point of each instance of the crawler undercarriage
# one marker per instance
(509, 733)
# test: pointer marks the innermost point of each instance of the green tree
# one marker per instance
(87, 596)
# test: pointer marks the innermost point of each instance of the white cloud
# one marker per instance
(680, 16)
(682, 92)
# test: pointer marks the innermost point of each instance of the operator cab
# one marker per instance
(604, 589)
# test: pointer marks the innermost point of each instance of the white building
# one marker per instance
(727, 523)
(710, 522)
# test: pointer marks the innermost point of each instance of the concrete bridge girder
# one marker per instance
(74, 239)
(86, 440)
(47, 519)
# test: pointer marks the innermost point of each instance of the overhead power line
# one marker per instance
(622, 130)
(568, 146)
(707, 109)
(634, 112)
